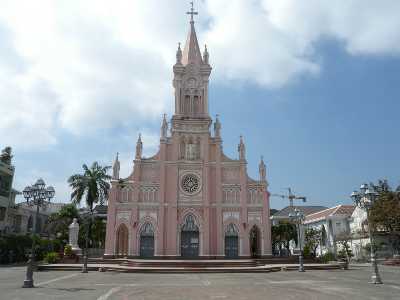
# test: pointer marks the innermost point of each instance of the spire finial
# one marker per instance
(262, 169)
(139, 147)
(192, 12)
(242, 149)
(205, 55)
(116, 168)
(179, 54)
(164, 127)
(217, 127)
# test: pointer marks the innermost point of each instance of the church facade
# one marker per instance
(189, 199)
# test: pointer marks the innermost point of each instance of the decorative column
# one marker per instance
(111, 215)
(218, 189)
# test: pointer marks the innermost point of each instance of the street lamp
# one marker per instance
(365, 200)
(298, 218)
(40, 196)
(89, 218)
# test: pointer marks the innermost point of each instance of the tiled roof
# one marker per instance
(340, 210)
(306, 210)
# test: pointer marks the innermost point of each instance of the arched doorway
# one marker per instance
(189, 238)
(231, 242)
(122, 240)
(254, 241)
(147, 240)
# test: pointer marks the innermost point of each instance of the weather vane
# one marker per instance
(192, 12)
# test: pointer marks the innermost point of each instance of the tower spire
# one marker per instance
(191, 77)
(191, 52)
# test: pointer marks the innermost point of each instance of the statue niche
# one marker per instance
(189, 148)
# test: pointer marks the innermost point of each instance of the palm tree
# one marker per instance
(93, 185)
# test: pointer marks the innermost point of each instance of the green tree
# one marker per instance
(345, 251)
(385, 213)
(93, 186)
(282, 234)
(312, 239)
(59, 221)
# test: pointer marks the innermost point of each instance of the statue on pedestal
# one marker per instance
(73, 236)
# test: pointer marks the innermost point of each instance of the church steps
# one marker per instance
(154, 269)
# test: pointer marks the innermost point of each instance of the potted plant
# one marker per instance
(69, 255)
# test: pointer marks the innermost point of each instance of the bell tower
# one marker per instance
(191, 76)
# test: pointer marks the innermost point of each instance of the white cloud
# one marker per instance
(82, 65)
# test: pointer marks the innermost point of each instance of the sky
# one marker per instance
(313, 86)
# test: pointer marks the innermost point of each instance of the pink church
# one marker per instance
(189, 200)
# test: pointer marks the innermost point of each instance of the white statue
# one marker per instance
(73, 235)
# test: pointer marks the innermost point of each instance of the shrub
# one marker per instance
(325, 258)
(68, 250)
(307, 251)
(51, 257)
(16, 248)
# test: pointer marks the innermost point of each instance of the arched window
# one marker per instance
(147, 229)
(186, 104)
(190, 224)
(29, 227)
(196, 105)
(182, 148)
(231, 230)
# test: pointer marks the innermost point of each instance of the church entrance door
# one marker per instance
(231, 242)
(190, 238)
(147, 241)
(122, 240)
(255, 241)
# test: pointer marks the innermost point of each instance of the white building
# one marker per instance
(360, 240)
(18, 218)
(283, 216)
(7, 193)
(334, 223)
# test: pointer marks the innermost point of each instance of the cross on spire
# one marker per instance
(192, 12)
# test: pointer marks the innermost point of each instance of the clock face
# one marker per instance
(190, 183)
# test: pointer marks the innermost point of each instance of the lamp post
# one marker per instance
(298, 218)
(40, 196)
(365, 199)
(89, 216)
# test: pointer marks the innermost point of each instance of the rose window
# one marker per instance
(190, 183)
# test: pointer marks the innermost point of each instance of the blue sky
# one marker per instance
(314, 88)
(321, 136)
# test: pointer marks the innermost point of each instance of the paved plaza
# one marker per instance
(333, 284)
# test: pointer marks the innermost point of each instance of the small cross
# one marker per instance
(192, 12)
